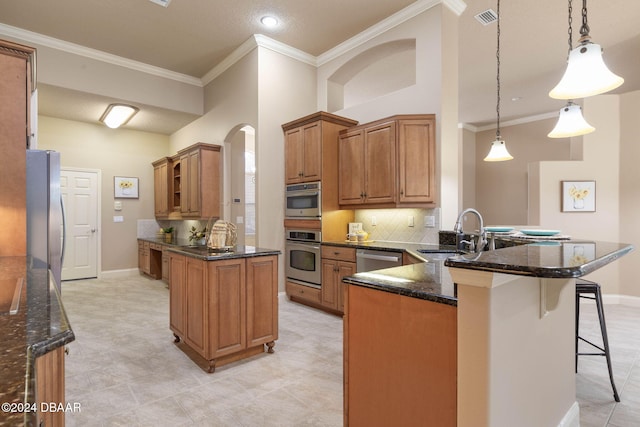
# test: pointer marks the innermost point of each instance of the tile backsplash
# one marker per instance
(393, 224)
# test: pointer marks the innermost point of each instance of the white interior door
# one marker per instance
(80, 196)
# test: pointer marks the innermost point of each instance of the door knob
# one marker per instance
(93, 230)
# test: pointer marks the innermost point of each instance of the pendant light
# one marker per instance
(586, 73)
(498, 150)
(570, 122)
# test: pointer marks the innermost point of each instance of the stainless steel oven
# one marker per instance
(303, 200)
(302, 249)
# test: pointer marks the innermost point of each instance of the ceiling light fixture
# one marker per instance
(586, 73)
(163, 3)
(269, 21)
(117, 115)
(498, 150)
(570, 122)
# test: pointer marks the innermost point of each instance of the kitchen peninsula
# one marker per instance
(499, 350)
(223, 305)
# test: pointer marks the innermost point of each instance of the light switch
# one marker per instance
(118, 219)
(429, 221)
(239, 219)
(117, 205)
(374, 222)
(410, 221)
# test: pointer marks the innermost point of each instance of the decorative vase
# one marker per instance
(578, 203)
(168, 237)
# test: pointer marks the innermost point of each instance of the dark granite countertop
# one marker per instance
(431, 280)
(207, 254)
(39, 326)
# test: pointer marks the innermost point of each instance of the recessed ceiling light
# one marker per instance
(269, 21)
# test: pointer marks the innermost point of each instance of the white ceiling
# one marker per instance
(193, 36)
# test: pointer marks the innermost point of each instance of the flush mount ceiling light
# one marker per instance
(498, 152)
(163, 3)
(586, 73)
(117, 115)
(571, 123)
(269, 21)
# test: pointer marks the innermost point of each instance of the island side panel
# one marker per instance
(515, 367)
(400, 360)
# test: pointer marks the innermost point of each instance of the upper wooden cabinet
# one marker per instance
(311, 147)
(16, 68)
(162, 190)
(188, 185)
(388, 163)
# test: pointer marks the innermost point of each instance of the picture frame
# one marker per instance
(578, 196)
(125, 187)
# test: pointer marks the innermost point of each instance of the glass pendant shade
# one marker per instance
(117, 115)
(571, 123)
(498, 152)
(586, 74)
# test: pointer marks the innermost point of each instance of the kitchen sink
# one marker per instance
(429, 254)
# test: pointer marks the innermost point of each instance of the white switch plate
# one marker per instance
(374, 222)
(117, 205)
(239, 219)
(410, 221)
(118, 218)
(429, 221)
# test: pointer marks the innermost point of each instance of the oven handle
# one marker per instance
(302, 245)
(377, 257)
(303, 193)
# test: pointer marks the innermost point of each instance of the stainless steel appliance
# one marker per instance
(369, 260)
(302, 264)
(303, 200)
(45, 215)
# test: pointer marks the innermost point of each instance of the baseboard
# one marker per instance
(631, 301)
(119, 274)
(572, 417)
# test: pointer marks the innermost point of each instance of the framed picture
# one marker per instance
(125, 187)
(578, 196)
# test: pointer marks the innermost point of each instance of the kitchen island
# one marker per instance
(223, 305)
(33, 340)
(502, 354)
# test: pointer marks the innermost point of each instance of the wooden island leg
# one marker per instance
(270, 346)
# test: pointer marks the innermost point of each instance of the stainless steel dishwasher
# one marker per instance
(370, 259)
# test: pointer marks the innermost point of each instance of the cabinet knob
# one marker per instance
(66, 350)
(401, 192)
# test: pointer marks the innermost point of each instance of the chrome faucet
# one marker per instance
(482, 238)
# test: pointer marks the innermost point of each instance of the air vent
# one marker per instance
(163, 3)
(486, 17)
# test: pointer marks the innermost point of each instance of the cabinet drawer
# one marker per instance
(156, 246)
(339, 253)
(305, 292)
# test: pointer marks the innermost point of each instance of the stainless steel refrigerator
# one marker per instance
(45, 215)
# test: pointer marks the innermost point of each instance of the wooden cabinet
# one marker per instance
(388, 163)
(226, 310)
(188, 185)
(311, 150)
(165, 264)
(17, 63)
(400, 358)
(150, 258)
(49, 374)
(162, 190)
(144, 258)
(337, 263)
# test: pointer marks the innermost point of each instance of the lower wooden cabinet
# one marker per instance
(337, 263)
(223, 311)
(50, 388)
(150, 260)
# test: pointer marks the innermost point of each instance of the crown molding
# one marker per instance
(514, 122)
(53, 43)
(414, 9)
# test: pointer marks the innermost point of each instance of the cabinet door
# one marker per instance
(329, 290)
(351, 168)
(190, 181)
(141, 256)
(146, 258)
(165, 265)
(161, 189)
(262, 300)
(312, 153)
(50, 386)
(226, 299)
(196, 305)
(380, 163)
(177, 291)
(416, 149)
(294, 151)
(345, 269)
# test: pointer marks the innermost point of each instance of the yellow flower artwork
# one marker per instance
(125, 187)
(578, 196)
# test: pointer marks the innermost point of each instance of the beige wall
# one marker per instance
(115, 152)
(501, 187)
(629, 191)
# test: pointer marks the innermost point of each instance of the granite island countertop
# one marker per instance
(432, 281)
(207, 254)
(39, 326)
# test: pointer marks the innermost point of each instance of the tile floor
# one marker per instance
(124, 370)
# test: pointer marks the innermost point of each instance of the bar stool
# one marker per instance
(584, 288)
